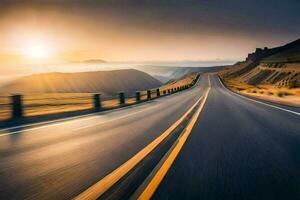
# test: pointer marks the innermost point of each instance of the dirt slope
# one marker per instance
(269, 74)
(105, 82)
(278, 67)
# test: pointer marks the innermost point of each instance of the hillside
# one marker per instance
(162, 79)
(278, 66)
(286, 54)
(105, 82)
(167, 73)
(268, 73)
(94, 61)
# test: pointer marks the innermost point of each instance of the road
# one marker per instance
(61, 160)
(237, 149)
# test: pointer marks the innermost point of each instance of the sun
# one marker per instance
(36, 52)
(36, 49)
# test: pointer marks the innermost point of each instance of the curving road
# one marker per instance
(239, 148)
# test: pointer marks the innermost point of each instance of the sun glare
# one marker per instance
(37, 52)
(36, 49)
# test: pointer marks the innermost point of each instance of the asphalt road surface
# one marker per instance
(61, 160)
(238, 149)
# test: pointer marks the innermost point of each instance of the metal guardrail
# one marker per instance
(16, 106)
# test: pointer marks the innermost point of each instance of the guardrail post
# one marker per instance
(97, 102)
(17, 106)
(122, 98)
(148, 94)
(157, 92)
(138, 96)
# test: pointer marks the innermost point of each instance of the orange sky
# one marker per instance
(74, 33)
(70, 41)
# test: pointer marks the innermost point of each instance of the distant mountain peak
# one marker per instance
(94, 61)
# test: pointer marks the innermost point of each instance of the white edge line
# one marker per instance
(68, 119)
(266, 104)
(114, 119)
(91, 125)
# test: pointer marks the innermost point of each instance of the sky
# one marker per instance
(142, 30)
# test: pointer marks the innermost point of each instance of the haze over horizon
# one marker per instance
(150, 99)
(49, 32)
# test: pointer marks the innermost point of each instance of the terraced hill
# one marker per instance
(278, 67)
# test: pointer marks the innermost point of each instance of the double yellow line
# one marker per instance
(162, 171)
(96, 190)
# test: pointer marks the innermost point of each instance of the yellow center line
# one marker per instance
(96, 190)
(162, 171)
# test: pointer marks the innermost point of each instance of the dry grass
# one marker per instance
(52, 103)
(282, 95)
(4, 108)
(184, 81)
(40, 104)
